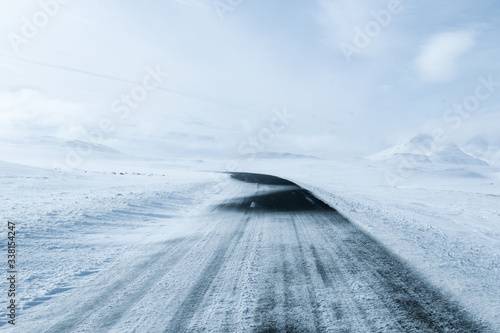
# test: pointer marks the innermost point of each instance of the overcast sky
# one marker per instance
(354, 76)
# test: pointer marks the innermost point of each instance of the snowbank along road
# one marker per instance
(270, 257)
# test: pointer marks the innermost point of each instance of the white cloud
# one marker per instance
(439, 56)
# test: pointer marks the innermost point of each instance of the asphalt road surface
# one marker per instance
(271, 258)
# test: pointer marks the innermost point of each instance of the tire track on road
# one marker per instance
(414, 305)
(190, 305)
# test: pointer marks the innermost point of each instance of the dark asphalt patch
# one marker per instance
(291, 199)
(256, 178)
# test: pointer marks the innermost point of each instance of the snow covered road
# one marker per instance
(267, 256)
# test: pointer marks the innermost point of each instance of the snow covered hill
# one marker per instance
(423, 150)
(483, 149)
(276, 155)
(48, 151)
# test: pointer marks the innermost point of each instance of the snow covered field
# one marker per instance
(75, 227)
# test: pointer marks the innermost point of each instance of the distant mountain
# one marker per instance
(46, 151)
(275, 155)
(423, 150)
(483, 149)
(77, 144)
(453, 154)
(84, 146)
